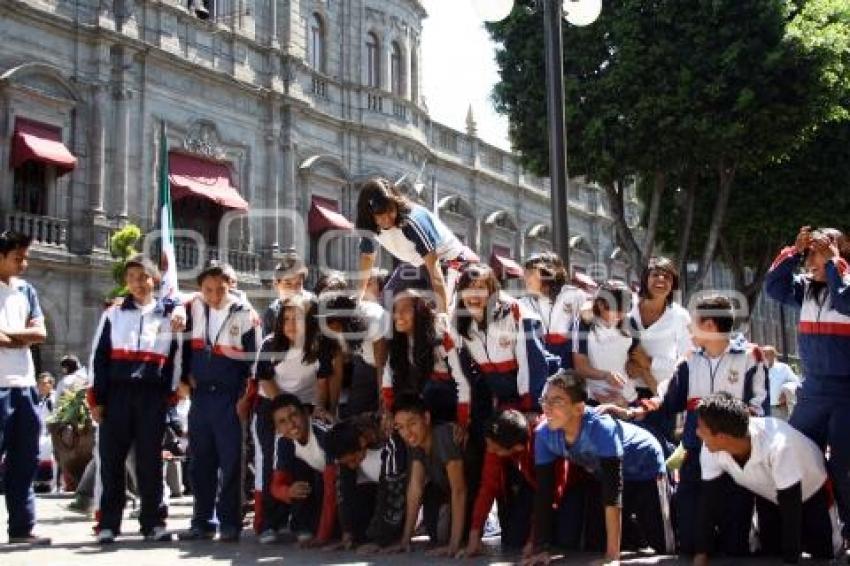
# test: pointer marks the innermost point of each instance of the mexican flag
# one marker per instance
(168, 264)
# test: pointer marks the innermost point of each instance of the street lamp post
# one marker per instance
(578, 13)
(555, 95)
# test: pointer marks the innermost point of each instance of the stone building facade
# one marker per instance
(285, 106)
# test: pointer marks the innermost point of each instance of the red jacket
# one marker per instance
(494, 477)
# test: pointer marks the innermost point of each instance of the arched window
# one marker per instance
(396, 70)
(316, 47)
(373, 61)
(414, 75)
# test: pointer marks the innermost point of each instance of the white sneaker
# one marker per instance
(159, 534)
(105, 536)
(268, 537)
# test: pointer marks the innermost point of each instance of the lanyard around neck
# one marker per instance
(712, 371)
(207, 341)
(547, 321)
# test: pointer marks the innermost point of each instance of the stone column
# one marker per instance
(286, 178)
(406, 70)
(275, 41)
(121, 176)
(98, 150)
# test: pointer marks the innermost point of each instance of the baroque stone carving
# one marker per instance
(203, 139)
(375, 15)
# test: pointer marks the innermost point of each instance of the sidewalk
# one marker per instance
(73, 544)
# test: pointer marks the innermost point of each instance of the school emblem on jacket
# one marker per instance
(234, 330)
(733, 376)
(505, 342)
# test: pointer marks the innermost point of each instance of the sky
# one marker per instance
(459, 69)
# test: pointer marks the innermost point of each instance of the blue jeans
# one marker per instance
(20, 427)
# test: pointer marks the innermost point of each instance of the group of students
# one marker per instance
(435, 392)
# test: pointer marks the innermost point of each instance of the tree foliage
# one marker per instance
(707, 95)
(122, 247)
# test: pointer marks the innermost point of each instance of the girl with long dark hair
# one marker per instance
(288, 362)
(501, 341)
(423, 361)
(413, 235)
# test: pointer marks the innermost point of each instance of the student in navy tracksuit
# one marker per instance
(413, 235)
(501, 351)
(304, 476)
(502, 342)
(722, 363)
(555, 301)
(21, 325)
(372, 483)
(289, 362)
(218, 361)
(823, 296)
(135, 367)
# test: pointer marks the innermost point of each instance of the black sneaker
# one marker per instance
(196, 534)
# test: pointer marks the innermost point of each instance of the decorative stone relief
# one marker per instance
(375, 15)
(398, 24)
(203, 139)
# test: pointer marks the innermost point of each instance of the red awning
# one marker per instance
(505, 267)
(191, 176)
(34, 141)
(584, 281)
(324, 215)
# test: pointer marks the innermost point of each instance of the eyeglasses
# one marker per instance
(557, 403)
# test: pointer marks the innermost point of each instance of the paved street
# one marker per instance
(74, 544)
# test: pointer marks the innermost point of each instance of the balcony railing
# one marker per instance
(319, 87)
(44, 230)
(375, 102)
(187, 255)
(399, 109)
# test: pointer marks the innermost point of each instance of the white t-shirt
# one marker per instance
(781, 456)
(370, 468)
(666, 340)
(311, 453)
(607, 349)
(18, 307)
(291, 375)
(779, 375)
(216, 319)
(378, 322)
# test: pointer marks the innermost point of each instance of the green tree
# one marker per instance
(122, 247)
(811, 187)
(680, 94)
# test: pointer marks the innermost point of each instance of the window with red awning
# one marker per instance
(191, 176)
(40, 143)
(324, 215)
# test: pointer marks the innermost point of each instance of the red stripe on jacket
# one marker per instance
(824, 328)
(137, 356)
